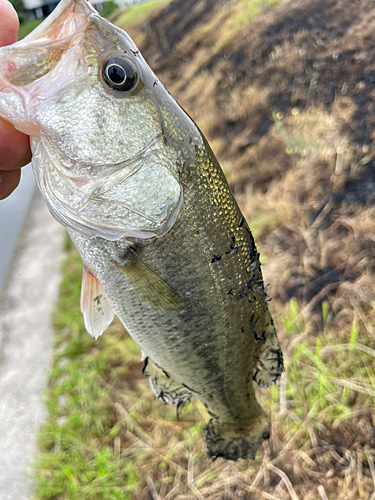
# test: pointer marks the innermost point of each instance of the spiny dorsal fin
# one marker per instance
(149, 286)
(95, 306)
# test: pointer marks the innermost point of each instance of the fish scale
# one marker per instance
(145, 202)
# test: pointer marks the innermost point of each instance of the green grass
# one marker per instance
(27, 27)
(322, 378)
(109, 8)
(133, 14)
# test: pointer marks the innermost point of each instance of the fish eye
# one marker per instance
(119, 74)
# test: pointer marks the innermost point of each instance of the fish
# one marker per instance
(164, 244)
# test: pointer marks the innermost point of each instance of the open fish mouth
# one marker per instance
(95, 176)
(25, 64)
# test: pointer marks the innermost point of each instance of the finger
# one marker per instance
(14, 147)
(9, 180)
(8, 23)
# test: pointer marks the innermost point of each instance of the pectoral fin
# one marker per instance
(150, 287)
(95, 306)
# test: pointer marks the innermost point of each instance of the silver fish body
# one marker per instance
(146, 204)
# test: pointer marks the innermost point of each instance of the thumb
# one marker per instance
(8, 23)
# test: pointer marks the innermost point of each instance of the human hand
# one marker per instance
(14, 146)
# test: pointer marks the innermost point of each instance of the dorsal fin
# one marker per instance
(95, 306)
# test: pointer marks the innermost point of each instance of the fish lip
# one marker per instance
(63, 27)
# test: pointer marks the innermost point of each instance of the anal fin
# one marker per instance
(95, 306)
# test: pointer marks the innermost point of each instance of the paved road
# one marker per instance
(26, 340)
(13, 211)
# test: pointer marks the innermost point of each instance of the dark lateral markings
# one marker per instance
(233, 249)
(162, 369)
(216, 258)
(267, 298)
(244, 293)
(242, 220)
(241, 294)
(253, 280)
(252, 266)
(261, 339)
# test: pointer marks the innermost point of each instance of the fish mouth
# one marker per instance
(24, 64)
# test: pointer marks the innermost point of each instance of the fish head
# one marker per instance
(108, 140)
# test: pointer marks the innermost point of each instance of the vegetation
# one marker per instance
(129, 15)
(28, 26)
(284, 93)
(109, 8)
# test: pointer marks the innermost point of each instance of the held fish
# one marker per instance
(164, 244)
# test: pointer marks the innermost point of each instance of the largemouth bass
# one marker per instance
(164, 244)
